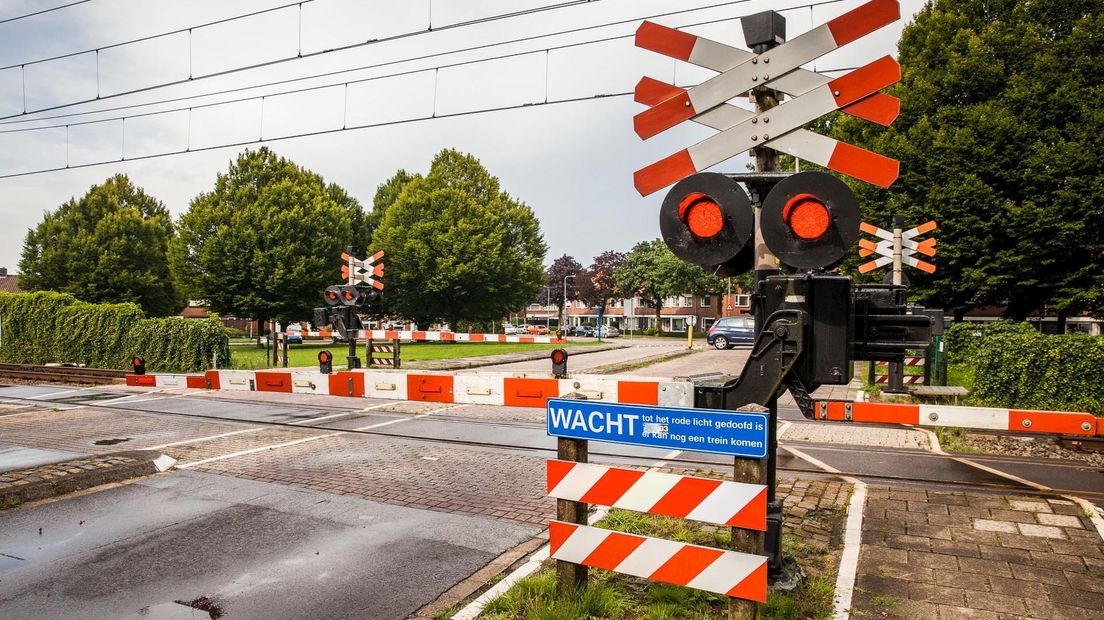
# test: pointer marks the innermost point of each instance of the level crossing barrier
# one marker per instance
(436, 336)
(534, 390)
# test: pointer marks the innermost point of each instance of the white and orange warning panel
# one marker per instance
(720, 502)
(910, 247)
(781, 128)
(739, 575)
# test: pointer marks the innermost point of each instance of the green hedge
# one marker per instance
(1016, 366)
(43, 327)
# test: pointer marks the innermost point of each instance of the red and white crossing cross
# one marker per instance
(365, 271)
(719, 502)
(909, 247)
(781, 127)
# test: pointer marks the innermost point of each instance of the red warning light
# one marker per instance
(324, 356)
(347, 295)
(331, 295)
(559, 356)
(807, 216)
(702, 215)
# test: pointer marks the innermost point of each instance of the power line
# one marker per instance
(268, 63)
(401, 61)
(321, 132)
(56, 8)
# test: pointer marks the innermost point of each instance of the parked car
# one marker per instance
(583, 330)
(541, 330)
(294, 336)
(731, 331)
(510, 330)
(609, 331)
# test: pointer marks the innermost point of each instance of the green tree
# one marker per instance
(458, 247)
(653, 273)
(267, 239)
(109, 246)
(999, 123)
(386, 195)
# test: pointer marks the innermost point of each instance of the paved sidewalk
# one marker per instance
(852, 435)
(54, 479)
(929, 554)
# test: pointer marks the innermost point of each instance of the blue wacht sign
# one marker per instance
(736, 433)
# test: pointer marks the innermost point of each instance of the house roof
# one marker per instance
(10, 284)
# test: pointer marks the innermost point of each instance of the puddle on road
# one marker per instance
(85, 397)
(109, 442)
(174, 611)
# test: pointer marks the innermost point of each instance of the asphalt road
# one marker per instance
(261, 550)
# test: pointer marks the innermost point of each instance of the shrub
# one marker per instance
(45, 327)
(234, 332)
(1016, 366)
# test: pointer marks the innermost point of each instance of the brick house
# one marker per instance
(633, 315)
(9, 283)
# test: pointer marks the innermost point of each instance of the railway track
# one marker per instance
(676, 462)
(61, 374)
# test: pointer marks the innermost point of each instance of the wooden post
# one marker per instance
(397, 354)
(751, 471)
(568, 574)
(370, 350)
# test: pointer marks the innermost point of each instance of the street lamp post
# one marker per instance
(563, 313)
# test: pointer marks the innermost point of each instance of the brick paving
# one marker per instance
(418, 475)
(935, 554)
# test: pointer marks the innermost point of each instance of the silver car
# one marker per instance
(609, 331)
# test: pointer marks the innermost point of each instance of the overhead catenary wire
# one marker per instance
(338, 72)
(42, 11)
(268, 63)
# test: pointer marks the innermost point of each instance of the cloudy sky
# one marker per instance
(422, 87)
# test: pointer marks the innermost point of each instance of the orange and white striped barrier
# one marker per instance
(731, 573)
(435, 336)
(721, 502)
(906, 379)
(979, 418)
(475, 388)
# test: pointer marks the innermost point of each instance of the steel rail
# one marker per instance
(1022, 489)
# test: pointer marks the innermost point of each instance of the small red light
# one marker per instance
(347, 295)
(807, 216)
(331, 295)
(324, 356)
(702, 215)
(559, 356)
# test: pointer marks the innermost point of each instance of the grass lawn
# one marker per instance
(619, 597)
(248, 358)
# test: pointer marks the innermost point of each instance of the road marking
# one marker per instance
(207, 438)
(852, 536)
(474, 608)
(255, 450)
(938, 449)
(296, 442)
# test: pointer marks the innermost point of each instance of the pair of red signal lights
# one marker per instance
(350, 295)
(809, 221)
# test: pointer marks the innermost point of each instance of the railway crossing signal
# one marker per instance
(139, 364)
(781, 127)
(906, 246)
(810, 220)
(325, 362)
(559, 363)
(706, 219)
(363, 271)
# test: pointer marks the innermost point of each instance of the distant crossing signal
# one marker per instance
(366, 271)
(884, 247)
